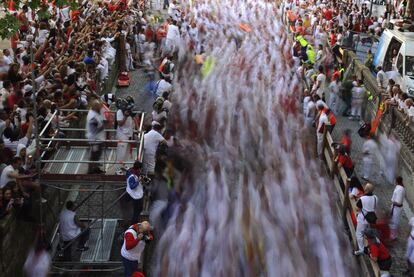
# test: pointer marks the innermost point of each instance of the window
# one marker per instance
(409, 66)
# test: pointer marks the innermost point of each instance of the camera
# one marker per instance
(126, 105)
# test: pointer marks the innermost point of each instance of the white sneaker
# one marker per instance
(43, 201)
(119, 172)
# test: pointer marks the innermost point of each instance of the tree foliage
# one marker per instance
(9, 24)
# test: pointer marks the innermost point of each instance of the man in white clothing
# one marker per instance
(172, 39)
(323, 121)
(151, 141)
(369, 151)
(70, 229)
(365, 205)
(135, 238)
(382, 80)
(95, 132)
(396, 207)
(135, 189)
(124, 132)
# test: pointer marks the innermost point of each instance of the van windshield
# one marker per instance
(409, 66)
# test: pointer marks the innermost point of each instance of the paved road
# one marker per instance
(382, 190)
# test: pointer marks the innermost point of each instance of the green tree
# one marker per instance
(9, 24)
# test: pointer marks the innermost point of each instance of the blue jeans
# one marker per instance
(129, 267)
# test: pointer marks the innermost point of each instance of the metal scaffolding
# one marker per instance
(61, 162)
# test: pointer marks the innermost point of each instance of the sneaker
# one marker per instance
(119, 172)
(43, 201)
(81, 249)
(358, 252)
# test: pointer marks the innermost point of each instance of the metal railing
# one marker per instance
(55, 140)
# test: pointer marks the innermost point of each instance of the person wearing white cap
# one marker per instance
(396, 207)
(366, 207)
(409, 254)
(151, 141)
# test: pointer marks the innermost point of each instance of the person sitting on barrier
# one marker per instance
(72, 229)
(356, 190)
(95, 132)
(366, 207)
(135, 239)
(409, 103)
(378, 252)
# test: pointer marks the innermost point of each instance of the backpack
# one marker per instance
(364, 130)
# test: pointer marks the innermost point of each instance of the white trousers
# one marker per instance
(122, 149)
(333, 102)
(361, 226)
(356, 108)
(367, 163)
(395, 221)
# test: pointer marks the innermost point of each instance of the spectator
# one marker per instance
(72, 229)
(378, 252)
(369, 152)
(124, 132)
(11, 173)
(356, 189)
(151, 141)
(135, 238)
(6, 201)
(346, 140)
(344, 161)
(135, 189)
(358, 96)
(333, 95)
(95, 132)
(322, 123)
(396, 206)
(366, 207)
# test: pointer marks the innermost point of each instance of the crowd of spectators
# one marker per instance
(60, 61)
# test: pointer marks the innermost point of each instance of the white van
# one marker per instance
(395, 52)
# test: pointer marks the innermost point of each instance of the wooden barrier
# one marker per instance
(341, 182)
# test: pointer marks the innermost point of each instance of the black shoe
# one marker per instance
(81, 249)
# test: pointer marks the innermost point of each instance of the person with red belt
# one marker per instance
(135, 238)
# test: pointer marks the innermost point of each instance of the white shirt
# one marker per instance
(95, 126)
(4, 179)
(382, 79)
(126, 130)
(138, 191)
(173, 33)
(321, 78)
(151, 141)
(12, 145)
(310, 110)
(398, 195)
(369, 204)
(68, 228)
(410, 245)
(133, 254)
(162, 86)
(323, 121)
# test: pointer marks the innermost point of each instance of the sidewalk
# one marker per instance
(382, 190)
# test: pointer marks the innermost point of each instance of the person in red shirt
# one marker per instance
(377, 250)
(346, 141)
(344, 160)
